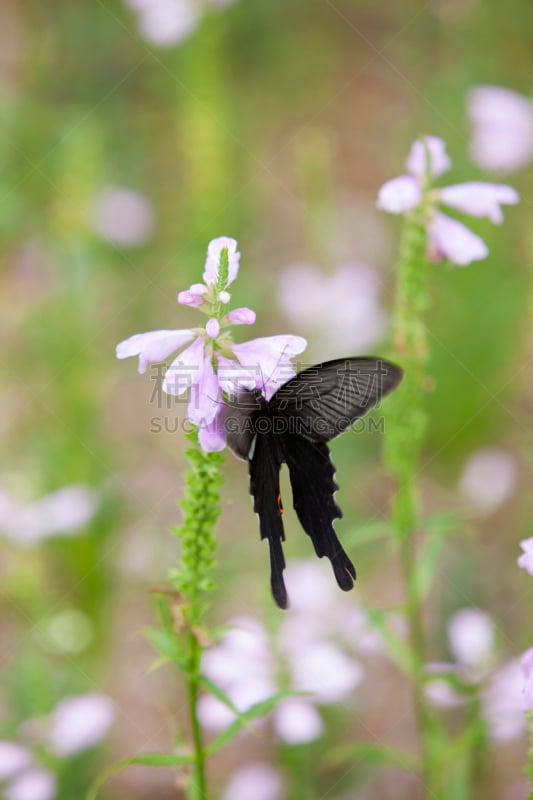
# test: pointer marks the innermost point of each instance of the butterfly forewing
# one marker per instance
(324, 400)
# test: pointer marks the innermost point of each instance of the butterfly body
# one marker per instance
(293, 427)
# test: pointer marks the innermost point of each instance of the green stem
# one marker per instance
(199, 784)
(193, 581)
(402, 454)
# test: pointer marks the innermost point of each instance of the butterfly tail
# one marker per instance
(313, 488)
(264, 487)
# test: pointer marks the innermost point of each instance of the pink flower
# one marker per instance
(296, 721)
(503, 702)
(164, 23)
(36, 784)
(488, 479)
(343, 305)
(78, 723)
(13, 759)
(64, 512)
(448, 238)
(258, 781)
(527, 666)
(213, 263)
(123, 216)
(205, 369)
(526, 559)
(502, 128)
(471, 638)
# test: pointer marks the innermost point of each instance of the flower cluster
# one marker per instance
(315, 641)
(448, 238)
(76, 724)
(212, 365)
(505, 692)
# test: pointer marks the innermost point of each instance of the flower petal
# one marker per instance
(241, 316)
(272, 355)
(234, 378)
(479, 199)
(212, 437)
(206, 395)
(451, 239)
(526, 559)
(212, 263)
(399, 195)
(189, 298)
(421, 149)
(212, 328)
(185, 370)
(153, 346)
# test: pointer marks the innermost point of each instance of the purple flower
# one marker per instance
(212, 363)
(502, 128)
(503, 702)
(471, 638)
(526, 559)
(123, 216)
(488, 479)
(448, 238)
(13, 759)
(257, 780)
(343, 305)
(78, 723)
(296, 721)
(527, 667)
(64, 512)
(35, 784)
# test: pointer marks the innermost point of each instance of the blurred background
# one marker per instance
(133, 132)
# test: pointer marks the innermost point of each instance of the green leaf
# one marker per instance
(428, 562)
(166, 644)
(255, 711)
(367, 532)
(373, 754)
(147, 760)
(219, 694)
(398, 650)
(447, 522)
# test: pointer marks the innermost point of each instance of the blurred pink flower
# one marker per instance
(296, 721)
(526, 559)
(325, 671)
(78, 723)
(439, 691)
(527, 667)
(13, 759)
(343, 305)
(64, 512)
(488, 479)
(122, 216)
(503, 702)
(241, 664)
(448, 238)
(203, 368)
(164, 23)
(36, 784)
(502, 128)
(258, 781)
(471, 639)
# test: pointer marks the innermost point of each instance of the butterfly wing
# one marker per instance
(264, 466)
(238, 418)
(323, 401)
(313, 487)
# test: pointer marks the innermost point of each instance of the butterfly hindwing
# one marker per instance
(264, 466)
(312, 476)
(324, 400)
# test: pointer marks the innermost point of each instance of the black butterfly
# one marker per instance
(293, 427)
